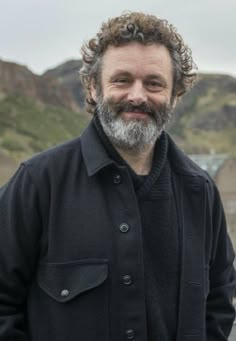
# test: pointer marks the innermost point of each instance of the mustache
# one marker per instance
(127, 106)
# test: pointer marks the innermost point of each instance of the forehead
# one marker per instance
(137, 58)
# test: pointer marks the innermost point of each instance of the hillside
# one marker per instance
(37, 112)
(27, 127)
(18, 80)
(68, 75)
(206, 117)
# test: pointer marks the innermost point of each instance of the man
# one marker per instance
(117, 235)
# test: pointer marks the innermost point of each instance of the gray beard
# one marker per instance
(132, 134)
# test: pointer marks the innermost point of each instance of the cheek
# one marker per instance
(159, 99)
(115, 94)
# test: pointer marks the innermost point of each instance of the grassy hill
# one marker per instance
(205, 118)
(67, 75)
(37, 112)
(27, 127)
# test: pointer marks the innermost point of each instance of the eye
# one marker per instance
(121, 80)
(154, 84)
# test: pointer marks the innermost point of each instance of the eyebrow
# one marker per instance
(120, 73)
(149, 76)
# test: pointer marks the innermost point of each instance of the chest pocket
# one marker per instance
(63, 282)
(71, 301)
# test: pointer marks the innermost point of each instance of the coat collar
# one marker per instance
(96, 156)
(94, 153)
(181, 163)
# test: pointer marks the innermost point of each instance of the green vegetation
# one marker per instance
(206, 117)
(27, 127)
(198, 141)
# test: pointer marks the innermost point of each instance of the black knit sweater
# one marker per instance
(160, 239)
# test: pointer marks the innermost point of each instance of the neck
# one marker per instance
(139, 160)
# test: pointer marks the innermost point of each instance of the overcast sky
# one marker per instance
(44, 33)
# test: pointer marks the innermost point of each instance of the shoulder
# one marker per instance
(191, 176)
(56, 152)
(54, 161)
(182, 164)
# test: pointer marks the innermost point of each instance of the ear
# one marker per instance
(93, 91)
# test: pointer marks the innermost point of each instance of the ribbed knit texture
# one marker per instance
(160, 239)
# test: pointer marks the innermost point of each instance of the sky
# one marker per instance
(42, 34)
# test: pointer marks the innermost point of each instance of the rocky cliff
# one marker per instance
(18, 80)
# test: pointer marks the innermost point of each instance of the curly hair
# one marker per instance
(143, 28)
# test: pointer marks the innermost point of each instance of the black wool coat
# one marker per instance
(70, 232)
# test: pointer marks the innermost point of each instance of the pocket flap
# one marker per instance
(64, 281)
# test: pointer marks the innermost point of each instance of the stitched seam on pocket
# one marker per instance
(72, 263)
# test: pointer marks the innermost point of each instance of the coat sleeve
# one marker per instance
(19, 239)
(222, 279)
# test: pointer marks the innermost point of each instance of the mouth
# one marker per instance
(129, 111)
(136, 114)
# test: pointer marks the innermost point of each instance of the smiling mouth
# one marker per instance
(128, 110)
(137, 113)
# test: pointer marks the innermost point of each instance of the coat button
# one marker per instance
(124, 227)
(130, 334)
(65, 293)
(127, 279)
(117, 179)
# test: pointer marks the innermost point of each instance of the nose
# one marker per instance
(137, 93)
